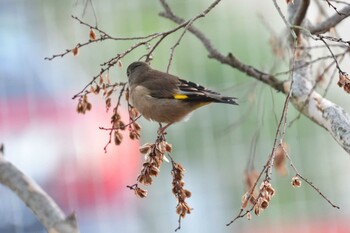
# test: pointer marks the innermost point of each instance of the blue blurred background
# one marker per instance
(62, 150)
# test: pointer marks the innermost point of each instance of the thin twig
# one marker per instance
(123, 127)
(288, 25)
(322, 38)
(178, 41)
(330, 22)
(230, 59)
(112, 129)
(318, 191)
(334, 7)
(300, 15)
(304, 179)
(332, 77)
(310, 63)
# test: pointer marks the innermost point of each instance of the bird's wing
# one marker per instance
(192, 88)
(191, 91)
(160, 85)
(167, 86)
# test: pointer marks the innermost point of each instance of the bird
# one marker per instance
(166, 98)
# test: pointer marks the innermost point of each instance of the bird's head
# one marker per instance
(135, 69)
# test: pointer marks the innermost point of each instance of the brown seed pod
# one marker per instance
(75, 51)
(92, 34)
(296, 182)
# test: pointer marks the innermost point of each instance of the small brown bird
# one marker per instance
(165, 98)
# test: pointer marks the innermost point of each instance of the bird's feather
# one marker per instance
(174, 88)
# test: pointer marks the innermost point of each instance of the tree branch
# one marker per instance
(230, 59)
(320, 110)
(42, 205)
(300, 15)
(331, 21)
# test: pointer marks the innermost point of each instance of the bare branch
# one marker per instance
(334, 7)
(103, 36)
(300, 14)
(331, 21)
(331, 52)
(320, 110)
(306, 180)
(42, 205)
(312, 62)
(230, 59)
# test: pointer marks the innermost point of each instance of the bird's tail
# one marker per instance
(209, 98)
(223, 99)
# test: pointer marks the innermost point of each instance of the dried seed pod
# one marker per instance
(296, 182)
(80, 107)
(121, 125)
(108, 103)
(271, 191)
(181, 183)
(88, 106)
(249, 216)
(92, 89)
(115, 117)
(109, 93)
(154, 171)
(179, 167)
(100, 80)
(168, 147)
(136, 126)
(161, 147)
(252, 199)
(120, 64)
(148, 180)
(140, 192)
(144, 179)
(187, 193)
(92, 34)
(342, 80)
(118, 137)
(264, 204)
(75, 51)
(107, 79)
(257, 210)
(97, 90)
(133, 113)
(145, 148)
(179, 209)
(133, 134)
(245, 199)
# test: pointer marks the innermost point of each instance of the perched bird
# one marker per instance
(165, 98)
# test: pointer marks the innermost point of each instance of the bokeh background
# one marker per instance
(62, 150)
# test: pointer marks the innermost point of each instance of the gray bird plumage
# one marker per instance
(165, 98)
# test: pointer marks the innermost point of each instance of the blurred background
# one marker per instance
(62, 150)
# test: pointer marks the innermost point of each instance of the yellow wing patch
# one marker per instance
(180, 97)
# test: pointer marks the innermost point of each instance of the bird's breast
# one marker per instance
(163, 110)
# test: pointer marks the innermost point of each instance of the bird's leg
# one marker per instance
(162, 129)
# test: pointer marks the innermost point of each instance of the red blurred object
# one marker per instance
(94, 175)
(83, 173)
